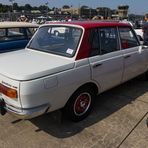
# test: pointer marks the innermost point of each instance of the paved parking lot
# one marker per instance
(118, 121)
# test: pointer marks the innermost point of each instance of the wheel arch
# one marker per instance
(80, 111)
(90, 85)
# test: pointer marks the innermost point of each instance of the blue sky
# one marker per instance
(136, 6)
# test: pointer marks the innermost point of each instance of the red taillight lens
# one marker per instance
(9, 92)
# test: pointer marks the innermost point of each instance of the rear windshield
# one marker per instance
(60, 40)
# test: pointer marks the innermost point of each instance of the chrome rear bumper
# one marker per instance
(25, 113)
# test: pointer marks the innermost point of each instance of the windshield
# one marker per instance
(60, 40)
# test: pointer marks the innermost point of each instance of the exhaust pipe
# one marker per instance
(2, 107)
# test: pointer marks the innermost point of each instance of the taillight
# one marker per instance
(9, 92)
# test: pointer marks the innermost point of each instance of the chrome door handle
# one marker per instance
(97, 65)
(128, 56)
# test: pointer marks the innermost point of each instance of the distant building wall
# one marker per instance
(74, 11)
(83, 11)
(123, 11)
(105, 12)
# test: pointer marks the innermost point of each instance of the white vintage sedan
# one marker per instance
(65, 70)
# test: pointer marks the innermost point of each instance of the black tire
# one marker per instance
(144, 76)
(80, 104)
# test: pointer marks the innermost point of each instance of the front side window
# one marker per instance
(60, 40)
(128, 38)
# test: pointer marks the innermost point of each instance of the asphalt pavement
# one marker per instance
(119, 120)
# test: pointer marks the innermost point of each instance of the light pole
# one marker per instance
(12, 2)
(46, 4)
(71, 11)
(90, 13)
(79, 10)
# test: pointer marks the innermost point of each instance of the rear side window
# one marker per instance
(128, 38)
(95, 42)
(16, 33)
(109, 40)
(9, 34)
(104, 40)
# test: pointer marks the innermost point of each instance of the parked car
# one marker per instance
(143, 33)
(137, 28)
(67, 70)
(139, 32)
(15, 35)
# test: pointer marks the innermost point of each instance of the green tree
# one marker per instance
(84, 7)
(27, 7)
(15, 6)
(43, 8)
(65, 7)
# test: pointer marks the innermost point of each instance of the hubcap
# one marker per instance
(82, 104)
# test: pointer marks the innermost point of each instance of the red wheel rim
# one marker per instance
(82, 104)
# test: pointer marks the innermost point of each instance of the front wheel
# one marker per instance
(80, 104)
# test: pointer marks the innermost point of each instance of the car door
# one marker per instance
(106, 58)
(134, 54)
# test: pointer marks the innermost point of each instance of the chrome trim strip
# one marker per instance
(19, 108)
(27, 113)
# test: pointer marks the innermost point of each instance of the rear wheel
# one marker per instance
(80, 104)
(144, 76)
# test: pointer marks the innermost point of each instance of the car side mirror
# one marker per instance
(141, 42)
(140, 39)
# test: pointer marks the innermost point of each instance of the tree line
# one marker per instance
(26, 7)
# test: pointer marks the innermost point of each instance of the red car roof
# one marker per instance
(90, 24)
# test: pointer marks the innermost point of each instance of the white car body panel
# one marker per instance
(28, 64)
(40, 91)
(134, 62)
(107, 67)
